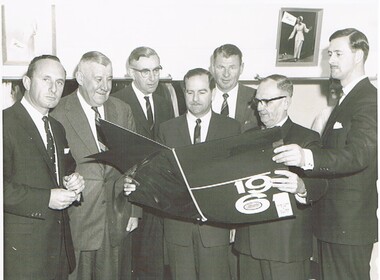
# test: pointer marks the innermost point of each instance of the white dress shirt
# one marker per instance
(191, 123)
(231, 100)
(140, 97)
(90, 114)
(40, 124)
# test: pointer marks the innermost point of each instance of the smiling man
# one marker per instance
(345, 221)
(97, 240)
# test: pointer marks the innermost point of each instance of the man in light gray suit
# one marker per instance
(97, 240)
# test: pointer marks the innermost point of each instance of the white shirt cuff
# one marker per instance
(309, 160)
(301, 200)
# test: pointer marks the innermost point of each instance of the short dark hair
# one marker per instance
(199, 72)
(227, 50)
(358, 41)
(141, 52)
(32, 64)
(283, 83)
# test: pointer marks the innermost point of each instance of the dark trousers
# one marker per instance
(257, 269)
(346, 262)
(148, 247)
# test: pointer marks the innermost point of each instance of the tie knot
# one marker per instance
(146, 98)
(95, 109)
(45, 119)
(225, 95)
(198, 121)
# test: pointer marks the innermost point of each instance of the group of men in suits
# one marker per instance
(334, 182)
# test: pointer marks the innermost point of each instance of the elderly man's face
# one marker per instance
(272, 103)
(151, 66)
(45, 87)
(95, 80)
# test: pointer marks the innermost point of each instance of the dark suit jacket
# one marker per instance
(89, 218)
(286, 240)
(246, 112)
(32, 231)
(175, 133)
(347, 214)
(163, 111)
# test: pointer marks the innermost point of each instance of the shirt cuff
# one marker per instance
(300, 199)
(309, 160)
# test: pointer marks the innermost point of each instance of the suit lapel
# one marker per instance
(213, 128)
(74, 112)
(29, 126)
(241, 104)
(138, 113)
(183, 129)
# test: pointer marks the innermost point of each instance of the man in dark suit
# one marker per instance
(234, 100)
(97, 233)
(345, 220)
(37, 238)
(281, 250)
(196, 250)
(149, 110)
(227, 66)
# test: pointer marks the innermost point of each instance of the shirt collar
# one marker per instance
(281, 123)
(33, 112)
(205, 119)
(232, 92)
(352, 84)
(139, 93)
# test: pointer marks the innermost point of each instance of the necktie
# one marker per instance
(99, 133)
(197, 132)
(50, 148)
(224, 110)
(149, 112)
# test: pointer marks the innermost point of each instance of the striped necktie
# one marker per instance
(50, 147)
(149, 112)
(99, 133)
(225, 111)
(197, 132)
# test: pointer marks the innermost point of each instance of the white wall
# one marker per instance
(185, 33)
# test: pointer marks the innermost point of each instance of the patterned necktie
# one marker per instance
(99, 133)
(149, 112)
(225, 110)
(197, 132)
(50, 148)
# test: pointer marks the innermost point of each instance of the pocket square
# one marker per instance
(66, 151)
(337, 125)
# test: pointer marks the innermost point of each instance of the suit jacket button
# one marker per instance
(59, 221)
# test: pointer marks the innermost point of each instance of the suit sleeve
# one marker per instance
(20, 198)
(351, 148)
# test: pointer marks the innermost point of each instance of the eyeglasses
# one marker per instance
(145, 72)
(266, 101)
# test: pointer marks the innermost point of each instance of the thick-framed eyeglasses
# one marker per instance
(265, 102)
(145, 72)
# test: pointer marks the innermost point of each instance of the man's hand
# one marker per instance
(290, 155)
(129, 185)
(290, 183)
(132, 224)
(61, 198)
(75, 183)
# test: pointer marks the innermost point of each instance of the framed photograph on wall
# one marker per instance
(298, 37)
(27, 32)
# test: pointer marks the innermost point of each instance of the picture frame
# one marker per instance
(27, 32)
(298, 36)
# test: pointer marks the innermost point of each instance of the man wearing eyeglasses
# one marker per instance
(280, 250)
(149, 109)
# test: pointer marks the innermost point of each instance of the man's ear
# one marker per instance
(26, 82)
(213, 92)
(241, 68)
(131, 72)
(359, 56)
(79, 77)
